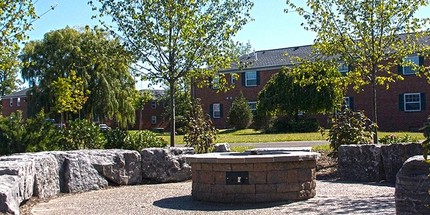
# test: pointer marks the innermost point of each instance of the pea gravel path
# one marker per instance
(332, 198)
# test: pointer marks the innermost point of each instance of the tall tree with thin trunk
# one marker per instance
(175, 40)
(373, 37)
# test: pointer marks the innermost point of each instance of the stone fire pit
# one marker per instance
(255, 176)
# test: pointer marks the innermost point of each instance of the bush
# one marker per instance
(116, 138)
(240, 115)
(199, 133)
(144, 139)
(82, 134)
(291, 126)
(350, 127)
(393, 139)
(426, 142)
(12, 134)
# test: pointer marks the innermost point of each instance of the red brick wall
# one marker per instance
(147, 113)
(390, 117)
(7, 109)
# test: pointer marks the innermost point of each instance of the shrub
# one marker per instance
(393, 139)
(144, 139)
(116, 138)
(426, 142)
(303, 125)
(12, 134)
(349, 127)
(82, 134)
(200, 133)
(240, 115)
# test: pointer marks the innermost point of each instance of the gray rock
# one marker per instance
(222, 147)
(9, 194)
(25, 171)
(412, 187)
(360, 163)
(181, 150)
(161, 165)
(119, 167)
(394, 155)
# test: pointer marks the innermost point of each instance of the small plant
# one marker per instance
(393, 139)
(199, 133)
(82, 134)
(144, 139)
(349, 127)
(240, 115)
(116, 138)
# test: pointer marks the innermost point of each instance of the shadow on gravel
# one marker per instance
(187, 203)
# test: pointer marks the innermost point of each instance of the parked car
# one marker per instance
(104, 127)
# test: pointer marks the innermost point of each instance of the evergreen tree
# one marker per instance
(240, 115)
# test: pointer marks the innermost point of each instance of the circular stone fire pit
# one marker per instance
(255, 176)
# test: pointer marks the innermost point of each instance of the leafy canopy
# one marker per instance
(177, 40)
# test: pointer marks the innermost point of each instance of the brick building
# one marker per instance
(14, 102)
(400, 108)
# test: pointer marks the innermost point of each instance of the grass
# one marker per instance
(252, 136)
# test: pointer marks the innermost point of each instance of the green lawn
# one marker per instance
(252, 136)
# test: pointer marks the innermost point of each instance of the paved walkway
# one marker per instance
(331, 198)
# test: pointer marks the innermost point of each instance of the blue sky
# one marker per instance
(271, 28)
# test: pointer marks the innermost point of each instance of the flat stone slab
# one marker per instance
(246, 157)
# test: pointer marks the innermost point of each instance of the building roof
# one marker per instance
(21, 93)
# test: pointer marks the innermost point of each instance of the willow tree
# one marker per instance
(98, 59)
(373, 37)
(175, 40)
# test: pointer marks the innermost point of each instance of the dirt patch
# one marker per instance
(327, 167)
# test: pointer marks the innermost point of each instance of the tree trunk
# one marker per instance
(172, 113)
(374, 108)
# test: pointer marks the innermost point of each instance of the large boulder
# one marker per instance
(394, 155)
(412, 187)
(164, 165)
(222, 147)
(24, 171)
(360, 163)
(9, 194)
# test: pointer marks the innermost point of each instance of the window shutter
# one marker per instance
(258, 77)
(211, 110)
(401, 102)
(423, 101)
(210, 83)
(421, 60)
(351, 103)
(242, 77)
(220, 110)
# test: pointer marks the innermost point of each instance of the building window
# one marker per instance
(215, 82)
(18, 102)
(348, 102)
(412, 102)
(409, 70)
(216, 111)
(153, 120)
(343, 68)
(153, 104)
(232, 78)
(11, 102)
(251, 79)
(252, 106)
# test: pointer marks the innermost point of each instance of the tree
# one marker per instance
(141, 98)
(286, 94)
(98, 59)
(373, 37)
(8, 72)
(69, 94)
(176, 40)
(240, 115)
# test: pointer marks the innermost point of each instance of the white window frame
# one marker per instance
(254, 104)
(216, 110)
(415, 59)
(347, 102)
(153, 120)
(215, 82)
(153, 104)
(11, 102)
(248, 78)
(343, 68)
(405, 102)
(18, 102)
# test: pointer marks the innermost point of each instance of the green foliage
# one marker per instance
(371, 37)
(349, 127)
(12, 134)
(177, 40)
(426, 142)
(117, 138)
(240, 115)
(97, 58)
(200, 133)
(393, 139)
(145, 139)
(82, 134)
(290, 126)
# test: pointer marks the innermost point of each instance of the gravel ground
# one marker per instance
(333, 197)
